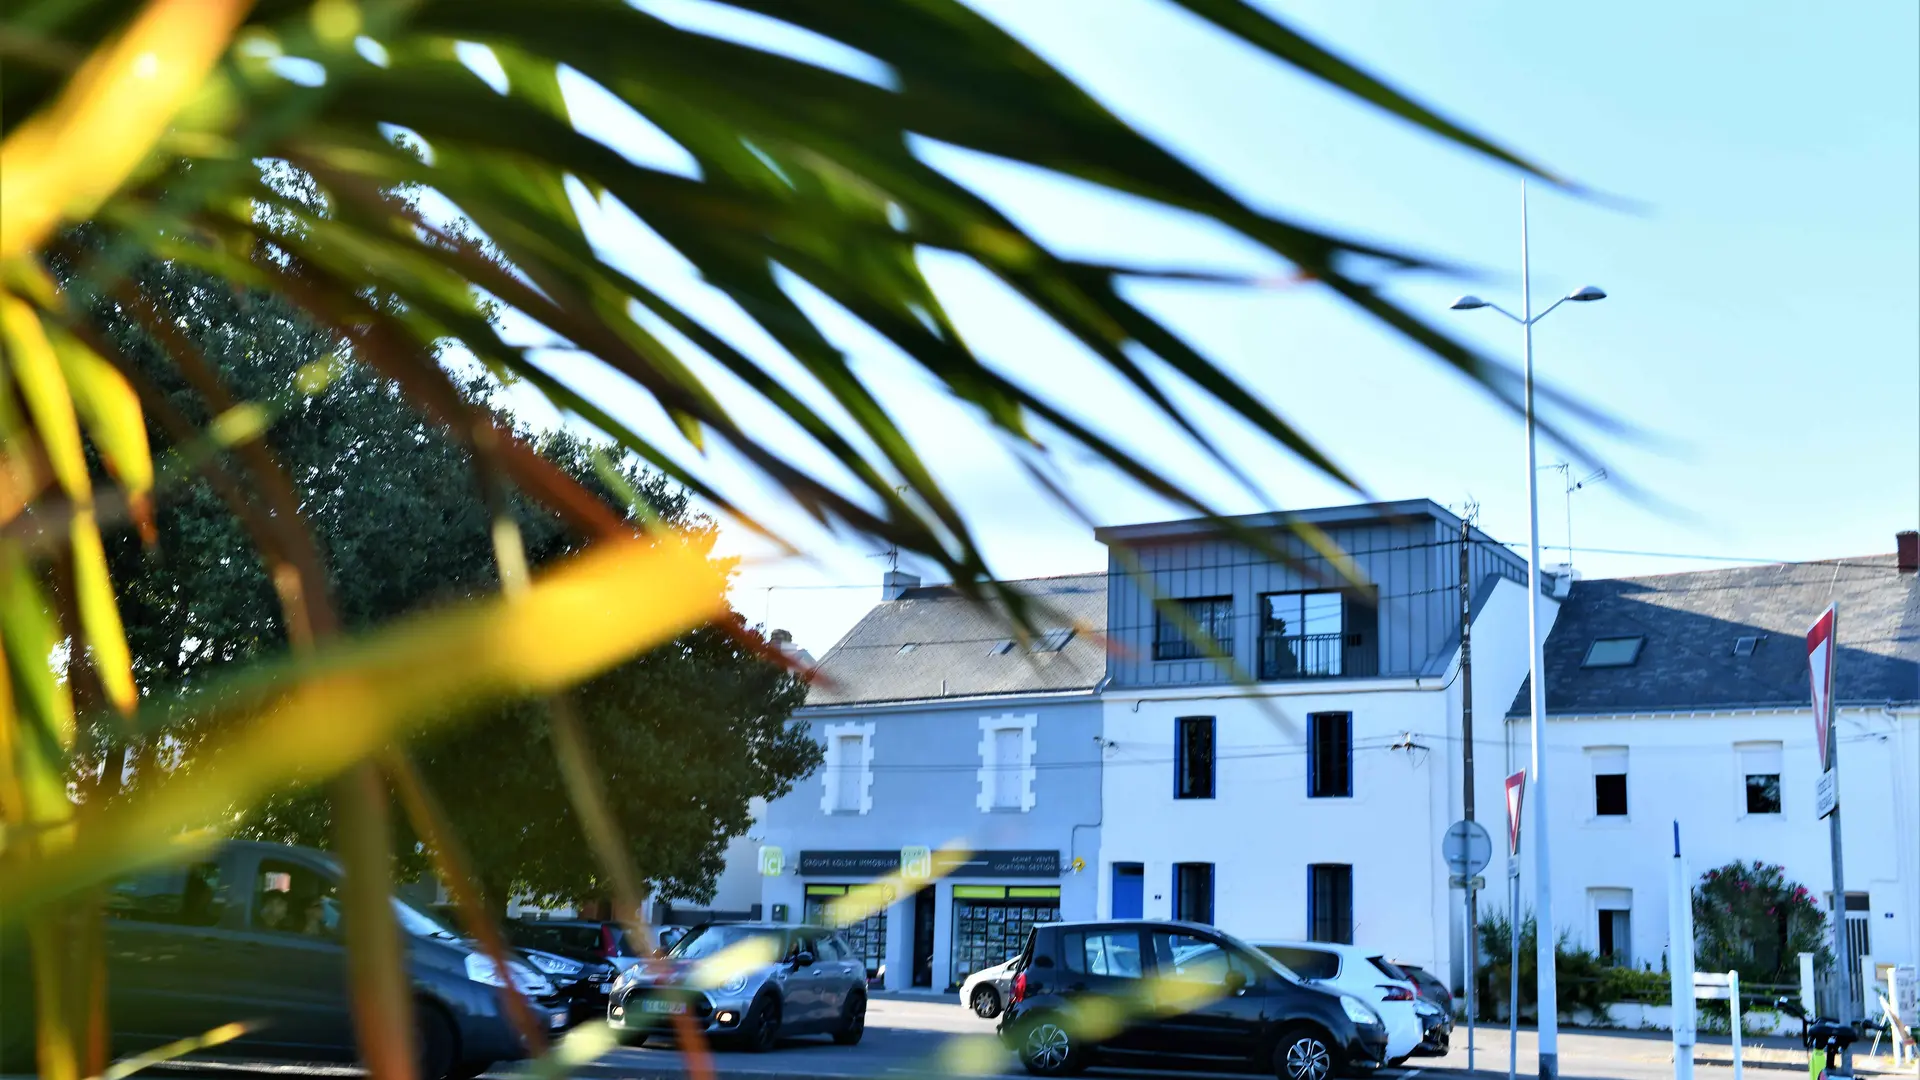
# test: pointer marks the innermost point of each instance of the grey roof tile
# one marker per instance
(954, 650)
(1691, 622)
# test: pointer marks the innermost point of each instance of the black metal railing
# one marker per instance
(1317, 656)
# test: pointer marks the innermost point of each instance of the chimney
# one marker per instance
(896, 582)
(1908, 545)
(781, 638)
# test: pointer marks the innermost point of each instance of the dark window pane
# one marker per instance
(1330, 768)
(1193, 758)
(1193, 892)
(1073, 952)
(1763, 793)
(1115, 955)
(1211, 617)
(1330, 903)
(1306, 963)
(1610, 794)
(182, 895)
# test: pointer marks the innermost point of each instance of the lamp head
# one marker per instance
(1586, 293)
(1467, 303)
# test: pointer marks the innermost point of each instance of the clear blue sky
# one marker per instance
(1763, 327)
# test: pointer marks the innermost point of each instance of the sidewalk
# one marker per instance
(1583, 1051)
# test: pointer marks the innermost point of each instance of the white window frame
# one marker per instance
(989, 727)
(1610, 899)
(1608, 761)
(1777, 750)
(831, 774)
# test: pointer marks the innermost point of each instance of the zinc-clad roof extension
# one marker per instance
(959, 648)
(1693, 658)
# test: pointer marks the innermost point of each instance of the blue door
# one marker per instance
(1129, 887)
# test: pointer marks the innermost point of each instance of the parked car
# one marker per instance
(748, 983)
(1436, 1030)
(250, 932)
(607, 940)
(1145, 993)
(1365, 973)
(580, 979)
(986, 991)
(1428, 986)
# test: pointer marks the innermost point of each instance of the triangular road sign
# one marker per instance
(1820, 668)
(1516, 790)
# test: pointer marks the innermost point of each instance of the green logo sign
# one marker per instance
(916, 863)
(773, 861)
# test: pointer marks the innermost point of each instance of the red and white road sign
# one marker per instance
(1820, 652)
(1516, 790)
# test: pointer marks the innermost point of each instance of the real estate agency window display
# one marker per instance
(990, 923)
(867, 936)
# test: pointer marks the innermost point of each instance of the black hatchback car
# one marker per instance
(1149, 994)
(251, 932)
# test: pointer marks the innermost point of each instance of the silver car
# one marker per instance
(750, 983)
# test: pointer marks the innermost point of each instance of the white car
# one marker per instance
(986, 991)
(1364, 973)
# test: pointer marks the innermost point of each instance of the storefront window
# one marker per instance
(859, 912)
(990, 922)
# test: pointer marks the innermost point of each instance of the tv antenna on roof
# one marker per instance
(1565, 469)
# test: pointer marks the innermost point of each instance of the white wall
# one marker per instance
(1684, 768)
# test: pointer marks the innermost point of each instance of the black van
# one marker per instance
(251, 932)
(1149, 994)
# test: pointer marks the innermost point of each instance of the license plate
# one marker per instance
(670, 1008)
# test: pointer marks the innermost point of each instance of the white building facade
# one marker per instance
(1685, 698)
(1310, 802)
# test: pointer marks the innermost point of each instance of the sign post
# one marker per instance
(1680, 960)
(1516, 794)
(1467, 849)
(1822, 647)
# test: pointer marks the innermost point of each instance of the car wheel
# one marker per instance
(853, 1020)
(1048, 1049)
(433, 1042)
(986, 1002)
(1304, 1054)
(761, 1029)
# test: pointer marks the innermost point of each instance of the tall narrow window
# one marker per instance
(1609, 780)
(1208, 617)
(1613, 919)
(1193, 758)
(1193, 892)
(847, 792)
(1008, 768)
(1760, 774)
(1330, 762)
(1330, 903)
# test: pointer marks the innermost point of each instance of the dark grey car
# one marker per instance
(750, 983)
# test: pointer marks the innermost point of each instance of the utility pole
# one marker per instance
(1466, 764)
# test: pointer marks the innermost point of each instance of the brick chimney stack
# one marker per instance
(1908, 545)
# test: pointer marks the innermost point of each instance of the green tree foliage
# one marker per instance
(686, 734)
(1748, 917)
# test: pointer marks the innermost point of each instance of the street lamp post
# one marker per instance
(1547, 994)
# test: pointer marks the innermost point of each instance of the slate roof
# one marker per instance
(1691, 622)
(958, 641)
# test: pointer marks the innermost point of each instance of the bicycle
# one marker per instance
(1825, 1038)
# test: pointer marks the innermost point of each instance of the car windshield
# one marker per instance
(420, 924)
(1261, 956)
(708, 941)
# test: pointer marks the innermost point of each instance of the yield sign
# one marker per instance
(1516, 788)
(1820, 668)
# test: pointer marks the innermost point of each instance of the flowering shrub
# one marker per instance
(1748, 917)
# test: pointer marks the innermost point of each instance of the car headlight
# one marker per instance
(481, 969)
(734, 985)
(556, 965)
(1358, 1011)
